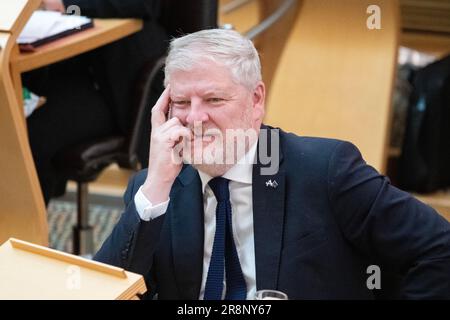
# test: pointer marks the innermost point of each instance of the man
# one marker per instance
(309, 218)
(91, 95)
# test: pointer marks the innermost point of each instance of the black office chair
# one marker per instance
(83, 163)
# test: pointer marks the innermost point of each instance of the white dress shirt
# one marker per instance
(240, 176)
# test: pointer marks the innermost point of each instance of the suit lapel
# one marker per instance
(187, 233)
(268, 220)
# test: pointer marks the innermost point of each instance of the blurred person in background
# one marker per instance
(91, 95)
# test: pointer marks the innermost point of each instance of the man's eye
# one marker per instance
(215, 100)
(181, 103)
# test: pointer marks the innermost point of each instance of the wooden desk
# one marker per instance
(104, 31)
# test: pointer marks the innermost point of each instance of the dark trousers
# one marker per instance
(76, 111)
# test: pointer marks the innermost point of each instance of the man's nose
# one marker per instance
(197, 113)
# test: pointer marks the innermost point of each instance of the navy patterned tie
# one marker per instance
(224, 254)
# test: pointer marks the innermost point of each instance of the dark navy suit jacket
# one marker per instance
(329, 219)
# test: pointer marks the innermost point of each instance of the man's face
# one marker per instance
(210, 103)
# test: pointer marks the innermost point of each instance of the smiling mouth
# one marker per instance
(207, 137)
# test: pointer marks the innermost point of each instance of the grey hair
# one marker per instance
(225, 47)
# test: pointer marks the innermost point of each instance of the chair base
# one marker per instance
(83, 240)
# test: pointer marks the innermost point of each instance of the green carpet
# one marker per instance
(62, 216)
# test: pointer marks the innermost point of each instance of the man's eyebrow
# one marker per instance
(207, 92)
(177, 97)
(216, 92)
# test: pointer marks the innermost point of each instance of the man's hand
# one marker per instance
(53, 5)
(166, 134)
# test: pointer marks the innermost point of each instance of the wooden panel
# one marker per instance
(242, 18)
(426, 15)
(272, 42)
(431, 43)
(22, 209)
(336, 76)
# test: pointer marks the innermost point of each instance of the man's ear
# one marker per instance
(259, 99)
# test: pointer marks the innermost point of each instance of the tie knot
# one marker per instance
(219, 186)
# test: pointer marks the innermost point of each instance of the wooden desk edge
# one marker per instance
(62, 256)
(104, 32)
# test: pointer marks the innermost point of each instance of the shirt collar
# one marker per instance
(240, 172)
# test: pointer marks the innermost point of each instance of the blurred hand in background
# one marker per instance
(53, 5)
